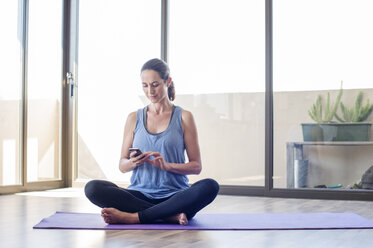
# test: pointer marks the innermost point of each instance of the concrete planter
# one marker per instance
(359, 131)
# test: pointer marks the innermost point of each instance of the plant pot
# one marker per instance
(336, 131)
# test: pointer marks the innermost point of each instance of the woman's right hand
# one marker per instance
(140, 159)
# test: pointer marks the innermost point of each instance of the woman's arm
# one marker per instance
(194, 166)
(126, 164)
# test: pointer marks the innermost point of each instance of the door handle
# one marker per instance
(70, 81)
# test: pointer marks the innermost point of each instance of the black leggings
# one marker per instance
(189, 201)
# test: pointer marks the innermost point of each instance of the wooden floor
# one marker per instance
(20, 212)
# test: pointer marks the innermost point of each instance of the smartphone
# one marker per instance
(137, 150)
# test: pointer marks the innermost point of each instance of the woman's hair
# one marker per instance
(163, 70)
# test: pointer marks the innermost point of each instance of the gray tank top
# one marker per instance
(147, 178)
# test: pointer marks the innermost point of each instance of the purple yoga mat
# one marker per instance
(265, 221)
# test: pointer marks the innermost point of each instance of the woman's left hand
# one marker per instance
(158, 161)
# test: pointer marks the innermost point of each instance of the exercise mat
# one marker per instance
(252, 221)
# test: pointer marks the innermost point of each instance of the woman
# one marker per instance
(159, 189)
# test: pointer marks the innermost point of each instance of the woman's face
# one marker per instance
(153, 86)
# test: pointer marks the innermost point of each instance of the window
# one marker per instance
(10, 93)
(30, 95)
(115, 38)
(44, 90)
(216, 59)
(316, 46)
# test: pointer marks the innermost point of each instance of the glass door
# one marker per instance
(10, 92)
(44, 90)
(30, 95)
(115, 38)
(217, 65)
(312, 57)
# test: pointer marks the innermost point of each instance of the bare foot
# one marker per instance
(178, 219)
(115, 216)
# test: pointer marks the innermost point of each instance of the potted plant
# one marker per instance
(324, 129)
(358, 113)
(351, 126)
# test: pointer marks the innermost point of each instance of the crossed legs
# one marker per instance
(129, 206)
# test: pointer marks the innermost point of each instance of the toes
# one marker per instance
(183, 220)
(105, 211)
(106, 220)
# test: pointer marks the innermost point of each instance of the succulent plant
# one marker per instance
(316, 111)
(357, 113)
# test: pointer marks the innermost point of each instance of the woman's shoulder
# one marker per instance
(186, 113)
(132, 117)
(186, 116)
(187, 122)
